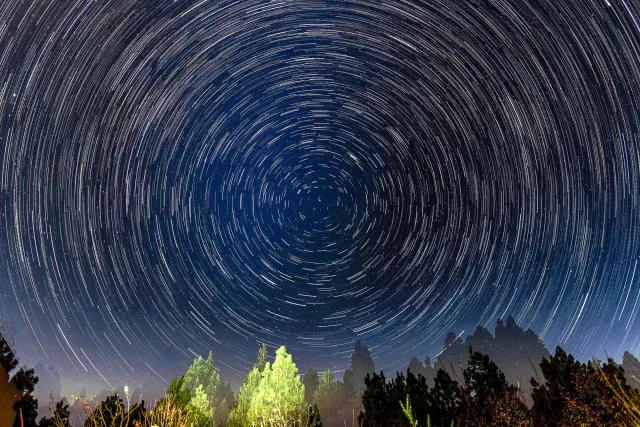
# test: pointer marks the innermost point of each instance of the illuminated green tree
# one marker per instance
(203, 414)
(238, 415)
(280, 394)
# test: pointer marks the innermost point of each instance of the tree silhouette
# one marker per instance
(488, 399)
(329, 397)
(349, 385)
(631, 367)
(453, 356)
(515, 351)
(60, 417)
(26, 406)
(575, 393)
(361, 365)
(416, 366)
(7, 358)
(314, 416)
(445, 399)
(109, 412)
(311, 382)
(376, 403)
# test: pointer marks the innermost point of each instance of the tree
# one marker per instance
(7, 358)
(518, 354)
(388, 403)
(226, 401)
(26, 406)
(418, 391)
(375, 402)
(179, 395)
(416, 366)
(110, 411)
(203, 414)
(631, 367)
(311, 382)
(349, 386)
(314, 417)
(239, 414)
(202, 372)
(453, 357)
(361, 365)
(280, 393)
(488, 399)
(113, 412)
(60, 417)
(429, 372)
(445, 399)
(575, 393)
(263, 355)
(330, 396)
(515, 351)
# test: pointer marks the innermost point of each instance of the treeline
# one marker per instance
(571, 394)
(502, 379)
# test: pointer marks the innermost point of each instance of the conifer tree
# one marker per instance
(280, 394)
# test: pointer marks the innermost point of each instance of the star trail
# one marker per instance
(179, 176)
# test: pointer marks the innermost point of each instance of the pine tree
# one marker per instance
(7, 358)
(330, 396)
(488, 399)
(203, 414)
(445, 399)
(311, 382)
(26, 406)
(361, 365)
(239, 414)
(202, 372)
(349, 386)
(280, 394)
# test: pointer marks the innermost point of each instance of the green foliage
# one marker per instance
(202, 373)
(263, 354)
(327, 377)
(280, 392)
(239, 414)
(181, 396)
(202, 412)
(407, 410)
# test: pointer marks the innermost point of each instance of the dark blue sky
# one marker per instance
(194, 175)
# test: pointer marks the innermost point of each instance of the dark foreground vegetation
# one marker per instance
(502, 379)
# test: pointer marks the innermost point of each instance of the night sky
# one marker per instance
(179, 176)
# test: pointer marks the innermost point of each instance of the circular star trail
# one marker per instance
(185, 175)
